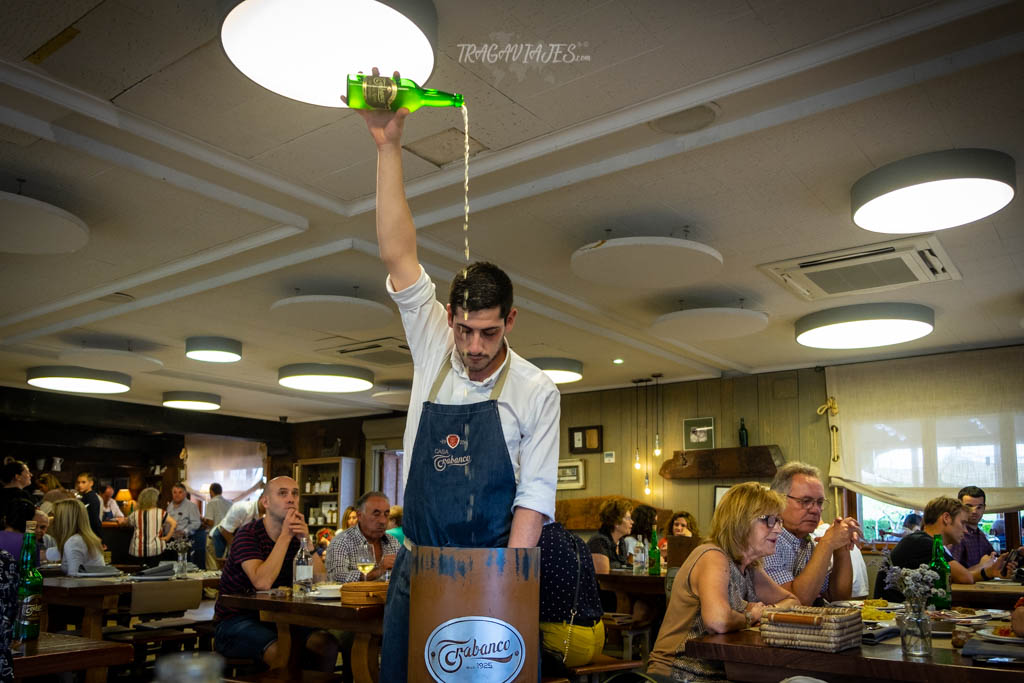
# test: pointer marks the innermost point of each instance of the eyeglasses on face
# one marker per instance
(809, 503)
(770, 521)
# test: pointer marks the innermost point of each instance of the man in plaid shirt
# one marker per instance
(807, 569)
(366, 538)
(974, 550)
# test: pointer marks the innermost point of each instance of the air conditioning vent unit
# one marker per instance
(865, 270)
(386, 352)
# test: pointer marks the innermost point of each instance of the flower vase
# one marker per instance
(915, 629)
(181, 565)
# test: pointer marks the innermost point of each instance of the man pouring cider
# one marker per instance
(483, 422)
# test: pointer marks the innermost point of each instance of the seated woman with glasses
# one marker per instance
(721, 587)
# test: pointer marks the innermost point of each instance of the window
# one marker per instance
(235, 464)
(883, 522)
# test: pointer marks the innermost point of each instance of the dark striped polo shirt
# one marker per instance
(251, 542)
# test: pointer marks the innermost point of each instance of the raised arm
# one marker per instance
(396, 234)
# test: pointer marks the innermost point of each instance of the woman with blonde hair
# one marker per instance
(77, 544)
(350, 517)
(722, 587)
(149, 540)
(52, 491)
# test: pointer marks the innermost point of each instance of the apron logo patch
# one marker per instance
(442, 459)
(452, 440)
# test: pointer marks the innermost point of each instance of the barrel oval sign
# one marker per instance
(478, 649)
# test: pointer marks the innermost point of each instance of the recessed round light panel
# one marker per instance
(78, 380)
(700, 324)
(934, 191)
(330, 312)
(213, 349)
(191, 400)
(646, 262)
(864, 326)
(325, 377)
(560, 370)
(302, 49)
(29, 226)
(111, 359)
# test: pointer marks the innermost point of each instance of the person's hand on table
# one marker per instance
(754, 611)
(387, 562)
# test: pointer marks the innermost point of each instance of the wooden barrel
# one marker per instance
(474, 614)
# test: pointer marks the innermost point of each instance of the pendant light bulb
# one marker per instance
(636, 459)
(657, 445)
(647, 484)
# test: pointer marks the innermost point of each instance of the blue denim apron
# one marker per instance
(459, 494)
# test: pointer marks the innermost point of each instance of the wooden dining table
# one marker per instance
(629, 587)
(365, 621)
(748, 658)
(987, 594)
(53, 653)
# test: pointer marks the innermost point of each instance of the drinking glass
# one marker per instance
(365, 563)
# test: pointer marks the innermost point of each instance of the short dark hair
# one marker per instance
(972, 491)
(644, 517)
(215, 489)
(361, 501)
(612, 512)
(487, 286)
(180, 485)
(16, 512)
(11, 469)
(937, 506)
(87, 475)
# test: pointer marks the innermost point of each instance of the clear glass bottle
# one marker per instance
(302, 569)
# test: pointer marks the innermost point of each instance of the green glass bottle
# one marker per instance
(744, 436)
(381, 92)
(30, 588)
(940, 566)
(654, 556)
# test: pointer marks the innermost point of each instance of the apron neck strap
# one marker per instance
(446, 366)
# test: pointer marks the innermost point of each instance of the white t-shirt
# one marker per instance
(240, 514)
(217, 509)
(529, 406)
(76, 553)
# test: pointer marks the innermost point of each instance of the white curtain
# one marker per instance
(916, 428)
(235, 464)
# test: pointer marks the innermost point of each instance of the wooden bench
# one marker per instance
(144, 642)
(53, 653)
(602, 664)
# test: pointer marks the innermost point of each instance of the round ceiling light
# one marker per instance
(191, 400)
(78, 380)
(395, 392)
(560, 370)
(700, 324)
(646, 262)
(213, 349)
(934, 191)
(29, 226)
(331, 312)
(302, 49)
(864, 326)
(325, 377)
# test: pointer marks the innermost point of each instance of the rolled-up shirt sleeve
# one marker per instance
(538, 456)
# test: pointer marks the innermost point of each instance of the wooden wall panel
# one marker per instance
(778, 408)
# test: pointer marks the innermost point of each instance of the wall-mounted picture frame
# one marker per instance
(719, 492)
(571, 474)
(698, 433)
(586, 439)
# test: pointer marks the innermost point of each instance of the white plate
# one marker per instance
(883, 624)
(993, 613)
(989, 634)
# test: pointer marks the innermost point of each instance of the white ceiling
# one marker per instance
(208, 198)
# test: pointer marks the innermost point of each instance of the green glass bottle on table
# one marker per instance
(940, 566)
(30, 588)
(654, 556)
(382, 92)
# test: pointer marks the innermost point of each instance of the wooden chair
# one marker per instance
(602, 664)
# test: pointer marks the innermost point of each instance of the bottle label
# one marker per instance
(379, 92)
(30, 609)
(304, 573)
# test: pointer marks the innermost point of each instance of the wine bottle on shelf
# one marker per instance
(307, 484)
(381, 92)
(744, 436)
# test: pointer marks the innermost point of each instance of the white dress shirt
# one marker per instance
(240, 514)
(112, 507)
(529, 406)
